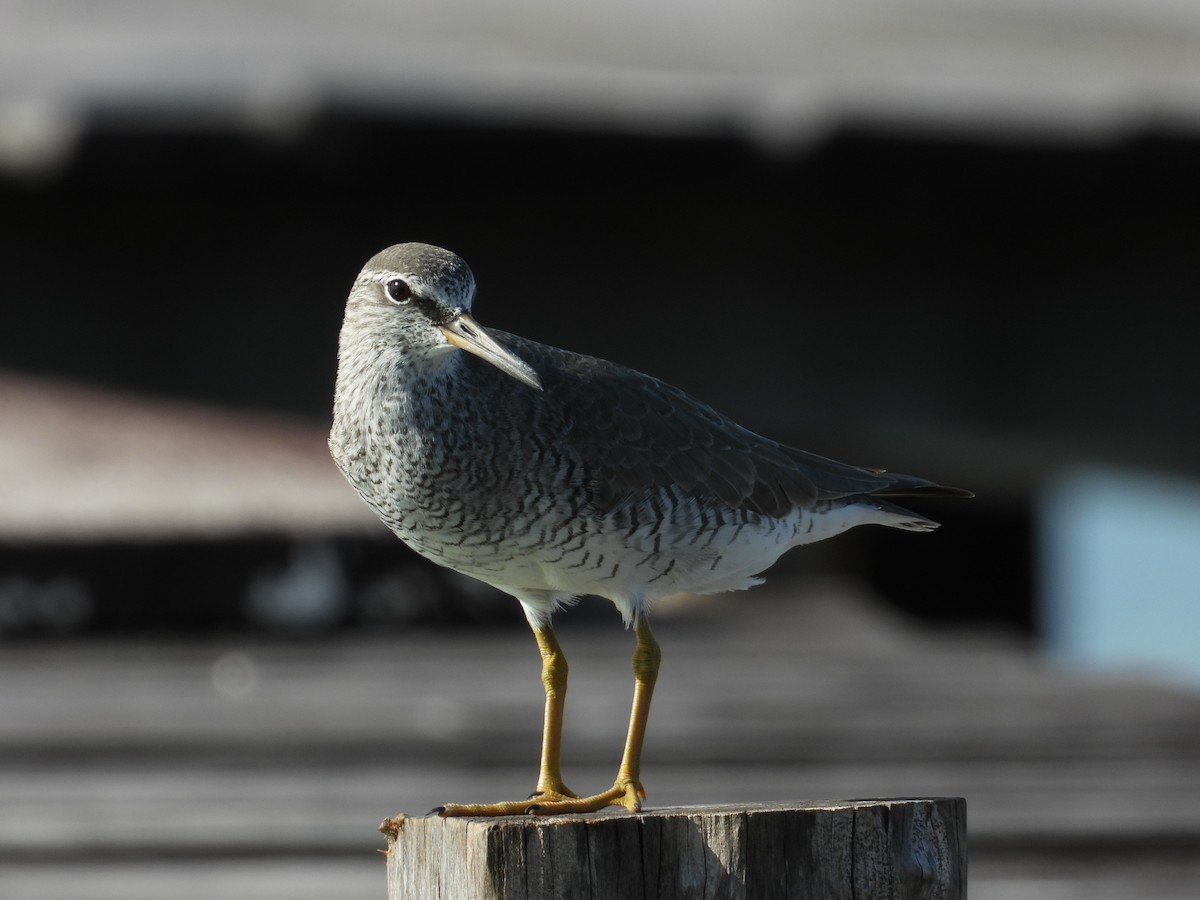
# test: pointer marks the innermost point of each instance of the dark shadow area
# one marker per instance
(879, 298)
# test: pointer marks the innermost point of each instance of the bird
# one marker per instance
(551, 475)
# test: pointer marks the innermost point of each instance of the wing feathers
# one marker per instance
(638, 436)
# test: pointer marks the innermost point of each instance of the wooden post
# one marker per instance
(861, 849)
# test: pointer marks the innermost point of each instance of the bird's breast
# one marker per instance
(461, 482)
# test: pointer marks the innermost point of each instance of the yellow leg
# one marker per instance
(550, 787)
(627, 789)
(554, 679)
(552, 796)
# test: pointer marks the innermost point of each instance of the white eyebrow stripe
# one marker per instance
(412, 279)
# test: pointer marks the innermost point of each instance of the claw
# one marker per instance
(633, 797)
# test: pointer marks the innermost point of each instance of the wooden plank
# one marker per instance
(949, 67)
(123, 767)
(865, 849)
(159, 470)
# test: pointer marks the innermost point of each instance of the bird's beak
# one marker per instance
(465, 333)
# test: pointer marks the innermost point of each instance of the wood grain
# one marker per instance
(862, 849)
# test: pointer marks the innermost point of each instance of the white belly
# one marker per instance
(632, 569)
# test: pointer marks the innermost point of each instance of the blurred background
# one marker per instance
(954, 239)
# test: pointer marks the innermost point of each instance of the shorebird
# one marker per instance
(551, 475)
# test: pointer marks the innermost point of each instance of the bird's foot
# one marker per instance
(558, 794)
(626, 793)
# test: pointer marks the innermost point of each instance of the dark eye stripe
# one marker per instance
(431, 309)
(401, 294)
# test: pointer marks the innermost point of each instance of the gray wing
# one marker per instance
(637, 434)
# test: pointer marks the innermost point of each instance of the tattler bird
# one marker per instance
(550, 475)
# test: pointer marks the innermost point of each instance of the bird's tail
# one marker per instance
(894, 516)
(901, 485)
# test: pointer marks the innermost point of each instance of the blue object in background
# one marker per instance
(1120, 572)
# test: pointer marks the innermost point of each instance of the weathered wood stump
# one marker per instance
(829, 850)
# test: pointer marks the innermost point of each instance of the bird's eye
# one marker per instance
(398, 291)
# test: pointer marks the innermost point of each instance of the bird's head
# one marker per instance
(417, 298)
